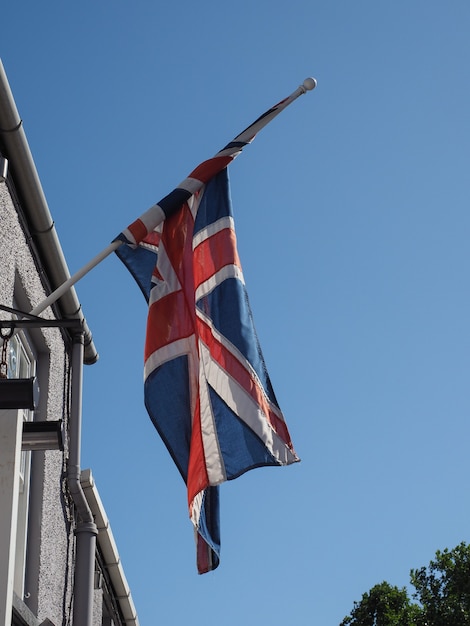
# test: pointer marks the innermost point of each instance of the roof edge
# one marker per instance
(36, 209)
(109, 549)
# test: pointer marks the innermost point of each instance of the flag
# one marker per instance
(206, 386)
(207, 389)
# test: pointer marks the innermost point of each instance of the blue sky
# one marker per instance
(352, 219)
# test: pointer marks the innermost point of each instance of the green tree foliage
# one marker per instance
(443, 588)
(383, 605)
(442, 594)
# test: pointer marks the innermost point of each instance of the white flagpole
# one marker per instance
(247, 135)
(55, 295)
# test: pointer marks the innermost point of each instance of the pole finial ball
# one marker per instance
(309, 84)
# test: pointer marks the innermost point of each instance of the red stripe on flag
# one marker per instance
(206, 170)
(167, 321)
(197, 482)
(138, 230)
(197, 471)
(214, 253)
(153, 238)
(203, 555)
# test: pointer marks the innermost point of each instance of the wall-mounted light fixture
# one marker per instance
(23, 393)
(19, 393)
(43, 436)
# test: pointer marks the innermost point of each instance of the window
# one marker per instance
(21, 364)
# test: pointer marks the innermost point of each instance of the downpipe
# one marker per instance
(86, 530)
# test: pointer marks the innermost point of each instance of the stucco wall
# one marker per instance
(49, 587)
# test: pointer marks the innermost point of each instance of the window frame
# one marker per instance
(22, 363)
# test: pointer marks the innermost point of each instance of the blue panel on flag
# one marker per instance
(238, 459)
(173, 201)
(167, 396)
(209, 524)
(214, 204)
(141, 263)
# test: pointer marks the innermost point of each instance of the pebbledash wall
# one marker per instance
(47, 517)
(47, 584)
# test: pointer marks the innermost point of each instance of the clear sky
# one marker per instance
(353, 223)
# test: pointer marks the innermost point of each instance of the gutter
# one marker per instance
(34, 204)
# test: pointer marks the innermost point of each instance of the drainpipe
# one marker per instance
(86, 530)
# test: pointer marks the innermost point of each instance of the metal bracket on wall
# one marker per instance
(23, 393)
(26, 320)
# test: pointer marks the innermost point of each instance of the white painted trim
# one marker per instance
(11, 430)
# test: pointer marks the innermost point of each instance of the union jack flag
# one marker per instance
(207, 389)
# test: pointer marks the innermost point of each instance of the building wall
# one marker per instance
(48, 581)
